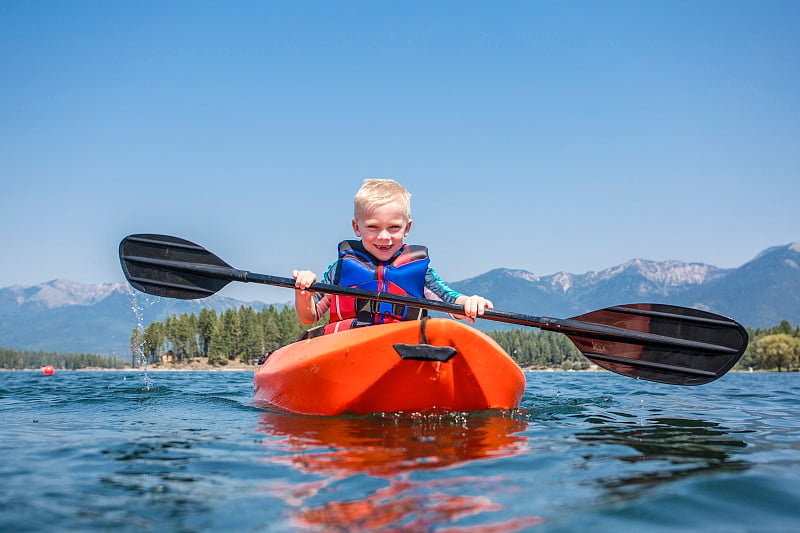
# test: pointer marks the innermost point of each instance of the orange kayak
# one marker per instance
(389, 368)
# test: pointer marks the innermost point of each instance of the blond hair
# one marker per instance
(376, 192)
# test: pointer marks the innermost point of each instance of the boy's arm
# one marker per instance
(473, 305)
(304, 304)
(308, 305)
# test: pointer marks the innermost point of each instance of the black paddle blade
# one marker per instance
(679, 346)
(172, 267)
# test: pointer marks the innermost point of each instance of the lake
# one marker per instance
(188, 451)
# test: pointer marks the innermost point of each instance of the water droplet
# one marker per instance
(137, 340)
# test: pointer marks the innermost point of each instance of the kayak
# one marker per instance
(435, 364)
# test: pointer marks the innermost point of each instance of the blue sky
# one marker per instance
(546, 136)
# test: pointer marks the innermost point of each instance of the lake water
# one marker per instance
(187, 451)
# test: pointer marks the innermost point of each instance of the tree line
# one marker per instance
(23, 359)
(241, 335)
(244, 335)
(540, 349)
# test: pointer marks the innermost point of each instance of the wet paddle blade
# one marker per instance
(662, 343)
(172, 267)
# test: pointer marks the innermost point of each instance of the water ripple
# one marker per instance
(189, 451)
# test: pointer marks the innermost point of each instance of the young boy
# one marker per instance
(380, 261)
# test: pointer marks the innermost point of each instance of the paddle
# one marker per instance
(663, 343)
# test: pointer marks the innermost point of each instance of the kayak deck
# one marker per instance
(360, 371)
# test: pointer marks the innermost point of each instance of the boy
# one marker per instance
(380, 261)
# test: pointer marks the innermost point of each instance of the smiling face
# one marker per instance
(382, 229)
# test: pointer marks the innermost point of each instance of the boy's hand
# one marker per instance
(474, 306)
(303, 279)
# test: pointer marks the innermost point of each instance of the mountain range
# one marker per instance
(760, 293)
(66, 316)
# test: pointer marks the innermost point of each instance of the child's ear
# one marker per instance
(408, 228)
(355, 228)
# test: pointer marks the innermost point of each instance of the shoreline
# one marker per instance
(253, 368)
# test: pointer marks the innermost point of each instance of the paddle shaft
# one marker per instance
(569, 327)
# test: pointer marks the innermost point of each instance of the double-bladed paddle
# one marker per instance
(655, 342)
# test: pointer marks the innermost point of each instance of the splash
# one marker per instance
(137, 340)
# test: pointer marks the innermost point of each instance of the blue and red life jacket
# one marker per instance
(403, 274)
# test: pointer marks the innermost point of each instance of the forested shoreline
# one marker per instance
(235, 335)
(243, 335)
(27, 359)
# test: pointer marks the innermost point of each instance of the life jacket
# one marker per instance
(403, 274)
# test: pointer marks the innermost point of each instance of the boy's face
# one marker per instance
(382, 229)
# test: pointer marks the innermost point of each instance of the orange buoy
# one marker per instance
(48, 370)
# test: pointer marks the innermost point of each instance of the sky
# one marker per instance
(544, 136)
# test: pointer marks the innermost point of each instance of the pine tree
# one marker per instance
(252, 341)
(153, 340)
(225, 344)
(205, 329)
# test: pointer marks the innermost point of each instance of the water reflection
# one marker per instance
(372, 469)
(667, 450)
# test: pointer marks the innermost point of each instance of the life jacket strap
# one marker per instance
(367, 309)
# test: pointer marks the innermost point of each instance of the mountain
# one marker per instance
(566, 294)
(65, 316)
(760, 293)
